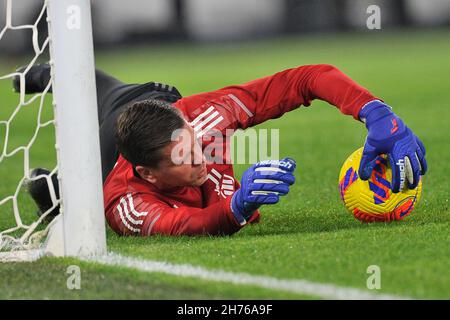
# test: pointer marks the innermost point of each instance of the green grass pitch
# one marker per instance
(309, 235)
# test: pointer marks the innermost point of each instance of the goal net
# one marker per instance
(54, 128)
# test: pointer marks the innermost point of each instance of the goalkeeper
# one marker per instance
(150, 187)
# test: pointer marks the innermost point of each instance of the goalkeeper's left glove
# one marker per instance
(389, 135)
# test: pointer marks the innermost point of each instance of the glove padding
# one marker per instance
(262, 183)
(389, 135)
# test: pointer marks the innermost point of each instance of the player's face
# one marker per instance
(184, 163)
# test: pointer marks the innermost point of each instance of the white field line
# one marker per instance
(324, 291)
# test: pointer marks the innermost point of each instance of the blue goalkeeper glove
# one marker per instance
(389, 135)
(262, 183)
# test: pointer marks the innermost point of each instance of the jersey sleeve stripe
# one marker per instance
(210, 126)
(201, 116)
(210, 117)
(149, 230)
(127, 213)
(125, 223)
(241, 104)
(136, 213)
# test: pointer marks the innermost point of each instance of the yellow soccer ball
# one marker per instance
(373, 200)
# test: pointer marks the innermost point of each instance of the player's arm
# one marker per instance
(270, 97)
(262, 184)
(249, 104)
(216, 219)
(146, 215)
(387, 133)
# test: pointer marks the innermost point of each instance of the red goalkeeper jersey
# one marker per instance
(134, 206)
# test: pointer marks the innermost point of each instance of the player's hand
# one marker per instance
(389, 135)
(262, 183)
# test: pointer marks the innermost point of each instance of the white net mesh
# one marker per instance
(26, 132)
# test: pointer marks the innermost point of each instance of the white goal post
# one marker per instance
(79, 229)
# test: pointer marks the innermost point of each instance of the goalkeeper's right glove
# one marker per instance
(389, 135)
(262, 183)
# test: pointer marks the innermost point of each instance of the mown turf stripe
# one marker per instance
(325, 291)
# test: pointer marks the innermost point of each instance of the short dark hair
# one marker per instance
(144, 128)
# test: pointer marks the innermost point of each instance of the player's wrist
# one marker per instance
(236, 211)
(241, 212)
(373, 111)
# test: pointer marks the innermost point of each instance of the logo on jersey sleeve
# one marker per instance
(224, 184)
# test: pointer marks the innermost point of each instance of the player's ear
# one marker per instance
(146, 174)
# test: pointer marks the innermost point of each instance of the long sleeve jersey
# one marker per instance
(134, 206)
